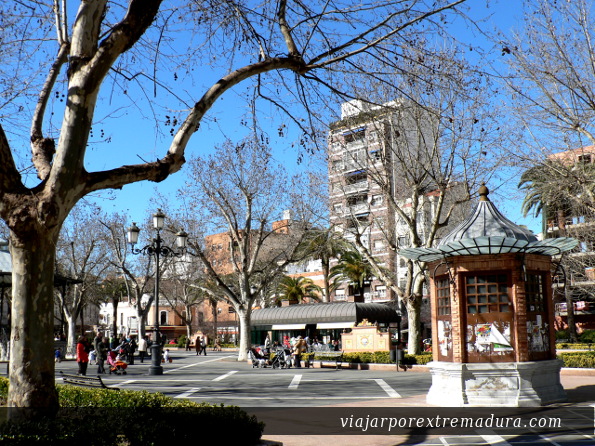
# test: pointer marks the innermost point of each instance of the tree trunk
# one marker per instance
(326, 272)
(71, 339)
(244, 320)
(414, 318)
(32, 375)
(115, 303)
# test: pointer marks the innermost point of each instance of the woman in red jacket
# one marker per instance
(82, 355)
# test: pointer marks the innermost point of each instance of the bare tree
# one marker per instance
(552, 83)
(240, 194)
(136, 276)
(121, 52)
(81, 256)
(409, 161)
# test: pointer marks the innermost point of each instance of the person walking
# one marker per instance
(132, 346)
(203, 344)
(300, 347)
(82, 355)
(142, 348)
(101, 348)
(197, 345)
(187, 343)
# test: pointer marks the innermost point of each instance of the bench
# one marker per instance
(85, 381)
(336, 357)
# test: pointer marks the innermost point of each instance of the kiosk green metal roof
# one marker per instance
(487, 231)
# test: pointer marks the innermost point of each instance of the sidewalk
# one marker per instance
(578, 383)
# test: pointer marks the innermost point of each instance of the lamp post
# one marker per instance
(157, 249)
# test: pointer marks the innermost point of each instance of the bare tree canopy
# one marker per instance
(68, 70)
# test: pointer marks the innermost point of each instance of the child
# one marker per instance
(58, 355)
(92, 357)
(166, 357)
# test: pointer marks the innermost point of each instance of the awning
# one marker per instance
(344, 313)
(289, 327)
(331, 325)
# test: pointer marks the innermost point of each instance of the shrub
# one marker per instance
(108, 417)
(421, 359)
(182, 341)
(562, 335)
(587, 336)
(578, 359)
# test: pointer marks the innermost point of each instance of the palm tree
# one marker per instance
(325, 245)
(353, 268)
(550, 190)
(296, 289)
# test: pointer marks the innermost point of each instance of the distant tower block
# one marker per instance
(492, 313)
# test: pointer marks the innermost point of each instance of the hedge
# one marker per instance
(578, 359)
(380, 357)
(127, 417)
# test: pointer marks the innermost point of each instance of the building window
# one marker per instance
(585, 159)
(443, 297)
(163, 318)
(381, 291)
(534, 293)
(487, 294)
(377, 200)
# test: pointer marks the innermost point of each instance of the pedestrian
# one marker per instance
(197, 345)
(132, 346)
(187, 343)
(82, 355)
(102, 348)
(203, 344)
(142, 348)
(299, 348)
(96, 345)
(166, 357)
(58, 355)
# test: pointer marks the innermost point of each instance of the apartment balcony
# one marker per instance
(356, 209)
(581, 307)
(360, 186)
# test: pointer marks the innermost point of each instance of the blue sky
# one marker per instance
(129, 145)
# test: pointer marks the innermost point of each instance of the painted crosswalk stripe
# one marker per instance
(222, 377)
(295, 382)
(188, 393)
(388, 389)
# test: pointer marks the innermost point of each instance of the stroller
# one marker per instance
(282, 359)
(116, 365)
(257, 358)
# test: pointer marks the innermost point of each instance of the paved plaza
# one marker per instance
(219, 378)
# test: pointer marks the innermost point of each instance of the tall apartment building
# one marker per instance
(364, 177)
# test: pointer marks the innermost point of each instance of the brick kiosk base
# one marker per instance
(505, 384)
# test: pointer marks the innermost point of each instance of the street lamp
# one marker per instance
(157, 249)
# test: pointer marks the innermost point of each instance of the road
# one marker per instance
(312, 397)
(220, 378)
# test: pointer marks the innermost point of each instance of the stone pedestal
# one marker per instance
(365, 338)
(505, 384)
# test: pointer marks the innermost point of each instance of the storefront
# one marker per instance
(324, 322)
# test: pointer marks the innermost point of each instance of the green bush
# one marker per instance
(562, 335)
(568, 345)
(182, 341)
(587, 336)
(380, 357)
(578, 359)
(127, 417)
